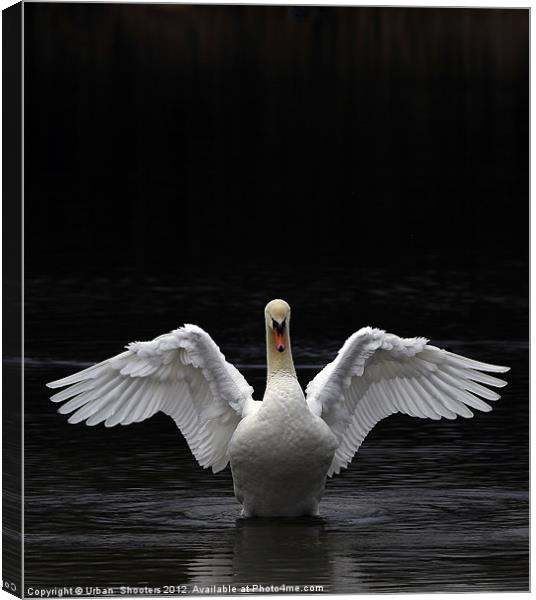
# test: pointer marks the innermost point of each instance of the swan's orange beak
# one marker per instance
(279, 337)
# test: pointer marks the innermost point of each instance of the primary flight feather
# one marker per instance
(281, 449)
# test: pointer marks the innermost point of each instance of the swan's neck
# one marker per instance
(279, 362)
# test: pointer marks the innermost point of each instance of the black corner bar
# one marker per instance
(12, 389)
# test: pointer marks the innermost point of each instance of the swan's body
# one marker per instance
(281, 449)
(280, 454)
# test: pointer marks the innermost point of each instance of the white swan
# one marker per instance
(281, 449)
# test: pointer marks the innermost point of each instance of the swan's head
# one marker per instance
(277, 313)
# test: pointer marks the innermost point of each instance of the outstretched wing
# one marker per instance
(377, 374)
(182, 373)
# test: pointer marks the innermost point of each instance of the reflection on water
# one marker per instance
(414, 540)
(255, 551)
(426, 506)
(359, 549)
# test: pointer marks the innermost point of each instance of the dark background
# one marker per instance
(188, 164)
(161, 136)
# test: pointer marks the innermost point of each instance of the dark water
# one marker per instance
(426, 506)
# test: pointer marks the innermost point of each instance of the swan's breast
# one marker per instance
(283, 436)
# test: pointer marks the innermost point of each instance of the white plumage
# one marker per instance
(182, 373)
(281, 449)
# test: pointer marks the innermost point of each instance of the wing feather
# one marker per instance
(182, 374)
(377, 374)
